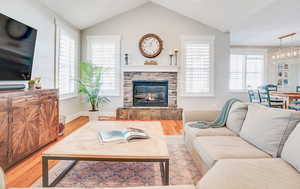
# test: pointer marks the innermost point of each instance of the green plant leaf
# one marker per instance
(90, 84)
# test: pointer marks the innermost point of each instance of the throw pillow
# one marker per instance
(269, 128)
(236, 117)
(291, 152)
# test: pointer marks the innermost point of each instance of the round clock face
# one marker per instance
(150, 45)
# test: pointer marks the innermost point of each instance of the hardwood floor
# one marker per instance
(25, 173)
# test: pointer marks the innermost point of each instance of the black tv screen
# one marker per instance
(17, 43)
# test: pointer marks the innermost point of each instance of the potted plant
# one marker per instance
(90, 86)
(31, 84)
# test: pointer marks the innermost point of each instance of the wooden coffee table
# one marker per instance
(84, 145)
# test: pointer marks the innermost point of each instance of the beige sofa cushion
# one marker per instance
(236, 117)
(213, 148)
(268, 128)
(190, 133)
(195, 132)
(251, 174)
(291, 149)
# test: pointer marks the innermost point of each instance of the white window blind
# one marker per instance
(198, 66)
(246, 71)
(104, 51)
(66, 64)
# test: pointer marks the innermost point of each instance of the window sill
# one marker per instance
(238, 91)
(68, 96)
(209, 95)
(111, 95)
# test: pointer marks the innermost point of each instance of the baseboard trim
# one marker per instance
(86, 113)
(70, 118)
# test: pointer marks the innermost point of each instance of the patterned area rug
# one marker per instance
(112, 174)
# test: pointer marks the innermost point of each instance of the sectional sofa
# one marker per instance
(258, 149)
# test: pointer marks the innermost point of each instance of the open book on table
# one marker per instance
(119, 136)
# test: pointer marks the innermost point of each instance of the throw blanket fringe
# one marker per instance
(220, 120)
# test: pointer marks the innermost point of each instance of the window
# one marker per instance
(66, 65)
(104, 51)
(246, 71)
(198, 66)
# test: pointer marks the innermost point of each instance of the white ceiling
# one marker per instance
(251, 22)
(85, 13)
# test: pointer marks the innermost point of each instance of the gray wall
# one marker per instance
(152, 18)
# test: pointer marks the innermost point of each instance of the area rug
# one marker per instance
(112, 174)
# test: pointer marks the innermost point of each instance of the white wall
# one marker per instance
(152, 18)
(32, 13)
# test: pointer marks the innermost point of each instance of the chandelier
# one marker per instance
(287, 53)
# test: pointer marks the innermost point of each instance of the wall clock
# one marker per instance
(150, 45)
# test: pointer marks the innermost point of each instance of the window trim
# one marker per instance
(207, 39)
(59, 31)
(241, 51)
(117, 39)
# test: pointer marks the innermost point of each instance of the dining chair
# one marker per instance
(254, 96)
(296, 104)
(266, 100)
(272, 87)
(274, 99)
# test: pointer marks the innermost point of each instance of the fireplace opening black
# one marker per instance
(150, 93)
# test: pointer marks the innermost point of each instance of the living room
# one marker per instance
(214, 87)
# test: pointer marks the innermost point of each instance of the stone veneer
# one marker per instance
(150, 76)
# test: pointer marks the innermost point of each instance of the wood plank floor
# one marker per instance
(26, 172)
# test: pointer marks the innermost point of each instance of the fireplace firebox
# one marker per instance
(150, 93)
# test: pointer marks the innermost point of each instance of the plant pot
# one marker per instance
(38, 86)
(94, 115)
(31, 86)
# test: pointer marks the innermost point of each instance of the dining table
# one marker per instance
(288, 97)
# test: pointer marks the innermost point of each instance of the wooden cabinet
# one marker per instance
(48, 117)
(4, 131)
(32, 122)
(24, 127)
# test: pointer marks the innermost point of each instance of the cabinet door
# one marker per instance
(3, 132)
(24, 127)
(49, 120)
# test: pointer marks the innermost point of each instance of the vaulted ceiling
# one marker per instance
(250, 22)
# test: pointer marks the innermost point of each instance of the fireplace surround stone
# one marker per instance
(131, 112)
(129, 77)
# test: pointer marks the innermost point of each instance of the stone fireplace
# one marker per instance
(163, 84)
(150, 93)
(149, 96)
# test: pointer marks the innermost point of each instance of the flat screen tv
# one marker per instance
(17, 43)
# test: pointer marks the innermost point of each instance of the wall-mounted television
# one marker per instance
(17, 44)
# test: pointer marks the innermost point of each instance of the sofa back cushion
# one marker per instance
(236, 117)
(291, 150)
(269, 128)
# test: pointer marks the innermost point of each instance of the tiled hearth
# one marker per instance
(152, 102)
